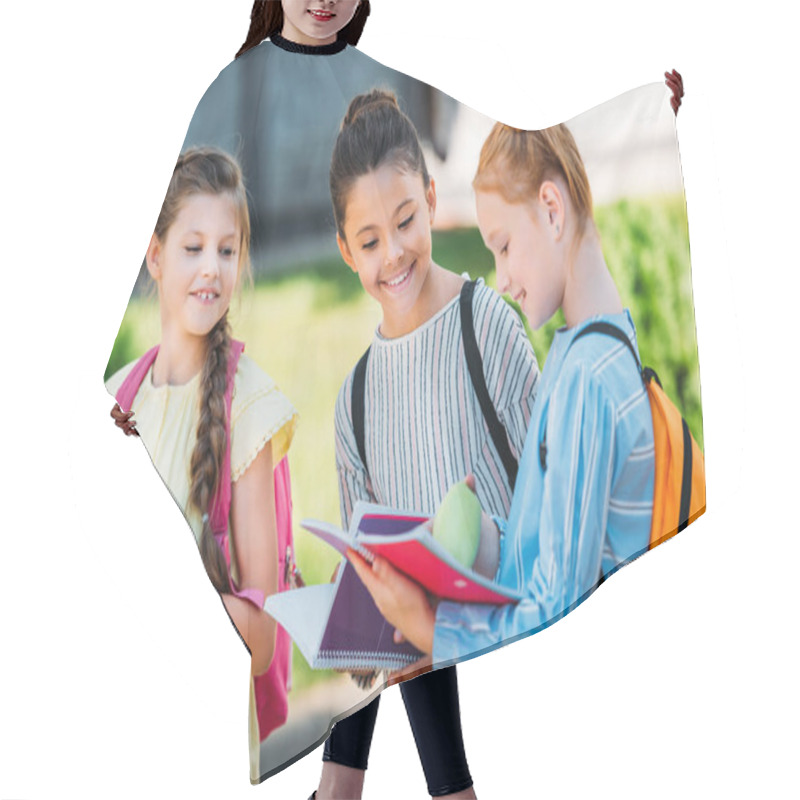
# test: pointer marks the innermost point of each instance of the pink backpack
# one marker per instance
(271, 688)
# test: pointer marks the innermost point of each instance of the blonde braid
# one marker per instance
(209, 451)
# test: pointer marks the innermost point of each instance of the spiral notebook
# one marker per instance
(338, 626)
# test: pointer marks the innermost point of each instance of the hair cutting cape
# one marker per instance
(306, 322)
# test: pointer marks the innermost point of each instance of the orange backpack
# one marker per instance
(680, 473)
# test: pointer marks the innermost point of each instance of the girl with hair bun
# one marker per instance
(583, 503)
(423, 424)
(185, 407)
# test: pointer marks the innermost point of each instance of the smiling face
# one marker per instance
(316, 22)
(196, 266)
(527, 252)
(387, 241)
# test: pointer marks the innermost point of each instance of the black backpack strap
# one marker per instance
(614, 332)
(686, 482)
(358, 391)
(475, 366)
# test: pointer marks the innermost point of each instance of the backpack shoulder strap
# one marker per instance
(130, 386)
(357, 405)
(609, 330)
(475, 367)
(219, 508)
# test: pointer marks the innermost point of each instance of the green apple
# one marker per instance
(457, 524)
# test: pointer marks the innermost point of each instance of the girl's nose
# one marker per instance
(394, 251)
(211, 264)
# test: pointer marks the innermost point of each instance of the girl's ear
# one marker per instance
(552, 202)
(153, 258)
(346, 254)
(430, 196)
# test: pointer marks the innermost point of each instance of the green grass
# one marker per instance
(307, 328)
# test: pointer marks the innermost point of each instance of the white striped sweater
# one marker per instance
(424, 429)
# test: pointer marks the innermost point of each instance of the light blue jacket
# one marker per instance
(588, 510)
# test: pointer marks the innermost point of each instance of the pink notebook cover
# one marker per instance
(415, 552)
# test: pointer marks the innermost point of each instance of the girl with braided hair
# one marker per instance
(218, 445)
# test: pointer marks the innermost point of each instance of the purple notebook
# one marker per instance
(357, 630)
(338, 625)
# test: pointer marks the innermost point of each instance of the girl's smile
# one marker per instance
(322, 16)
(206, 296)
(400, 282)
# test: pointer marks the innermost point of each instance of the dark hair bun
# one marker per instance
(376, 97)
(374, 132)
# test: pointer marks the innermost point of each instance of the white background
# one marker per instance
(121, 677)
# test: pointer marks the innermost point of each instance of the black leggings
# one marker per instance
(432, 706)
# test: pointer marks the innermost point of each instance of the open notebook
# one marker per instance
(337, 625)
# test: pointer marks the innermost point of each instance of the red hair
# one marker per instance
(515, 163)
